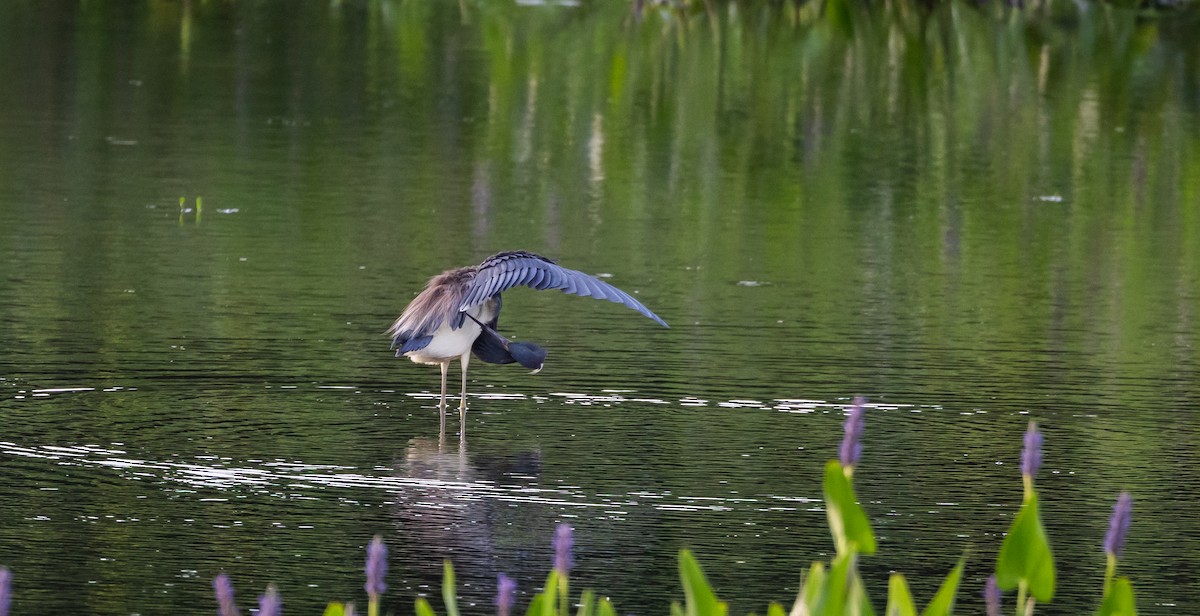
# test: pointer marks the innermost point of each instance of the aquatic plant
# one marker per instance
(851, 449)
(269, 603)
(223, 588)
(1025, 563)
(506, 590)
(992, 596)
(563, 542)
(376, 571)
(1118, 591)
(5, 590)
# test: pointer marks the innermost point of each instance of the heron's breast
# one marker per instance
(449, 343)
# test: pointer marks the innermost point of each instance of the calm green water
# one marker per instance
(972, 217)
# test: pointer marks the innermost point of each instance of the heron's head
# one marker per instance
(529, 355)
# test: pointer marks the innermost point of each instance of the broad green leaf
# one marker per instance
(847, 521)
(423, 608)
(1025, 554)
(900, 601)
(1119, 600)
(699, 598)
(449, 591)
(587, 603)
(605, 608)
(334, 609)
(676, 609)
(943, 602)
(774, 609)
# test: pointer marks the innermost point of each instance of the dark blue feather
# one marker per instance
(504, 271)
(414, 344)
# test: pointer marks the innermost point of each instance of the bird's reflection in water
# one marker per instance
(459, 509)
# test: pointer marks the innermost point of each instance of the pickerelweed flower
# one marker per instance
(851, 449)
(506, 589)
(270, 604)
(376, 567)
(1031, 456)
(1118, 525)
(562, 549)
(991, 596)
(5, 591)
(224, 591)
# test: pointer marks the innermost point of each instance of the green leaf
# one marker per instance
(900, 601)
(811, 587)
(605, 608)
(774, 609)
(423, 608)
(449, 592)
(1119, 600)
(943, 602)
(334, 609)
(587, 603)
(699, 598)
(1025, 554)
(676, 609)
(549, 594)
(535, 605)
(847, 521)
(833, 595)
(859, 604)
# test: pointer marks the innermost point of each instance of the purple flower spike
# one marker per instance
(376, 567)
(851, 449)
(1031, 456)
(991, 596)
(224, 591)
(5, 590)
(505, 589)
(1118, 526)
(562, 549)
(270, 604)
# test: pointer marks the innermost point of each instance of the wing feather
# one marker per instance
(596, 288)
(506, 270)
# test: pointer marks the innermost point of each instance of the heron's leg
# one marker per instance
(445, 370)
(462, 405)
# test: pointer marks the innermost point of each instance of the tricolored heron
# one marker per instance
(458, 311)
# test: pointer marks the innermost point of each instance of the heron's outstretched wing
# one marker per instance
(513, 269)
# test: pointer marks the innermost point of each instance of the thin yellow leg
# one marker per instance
(462, 404)
(445, 370)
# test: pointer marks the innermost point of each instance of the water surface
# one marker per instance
(972, 217)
